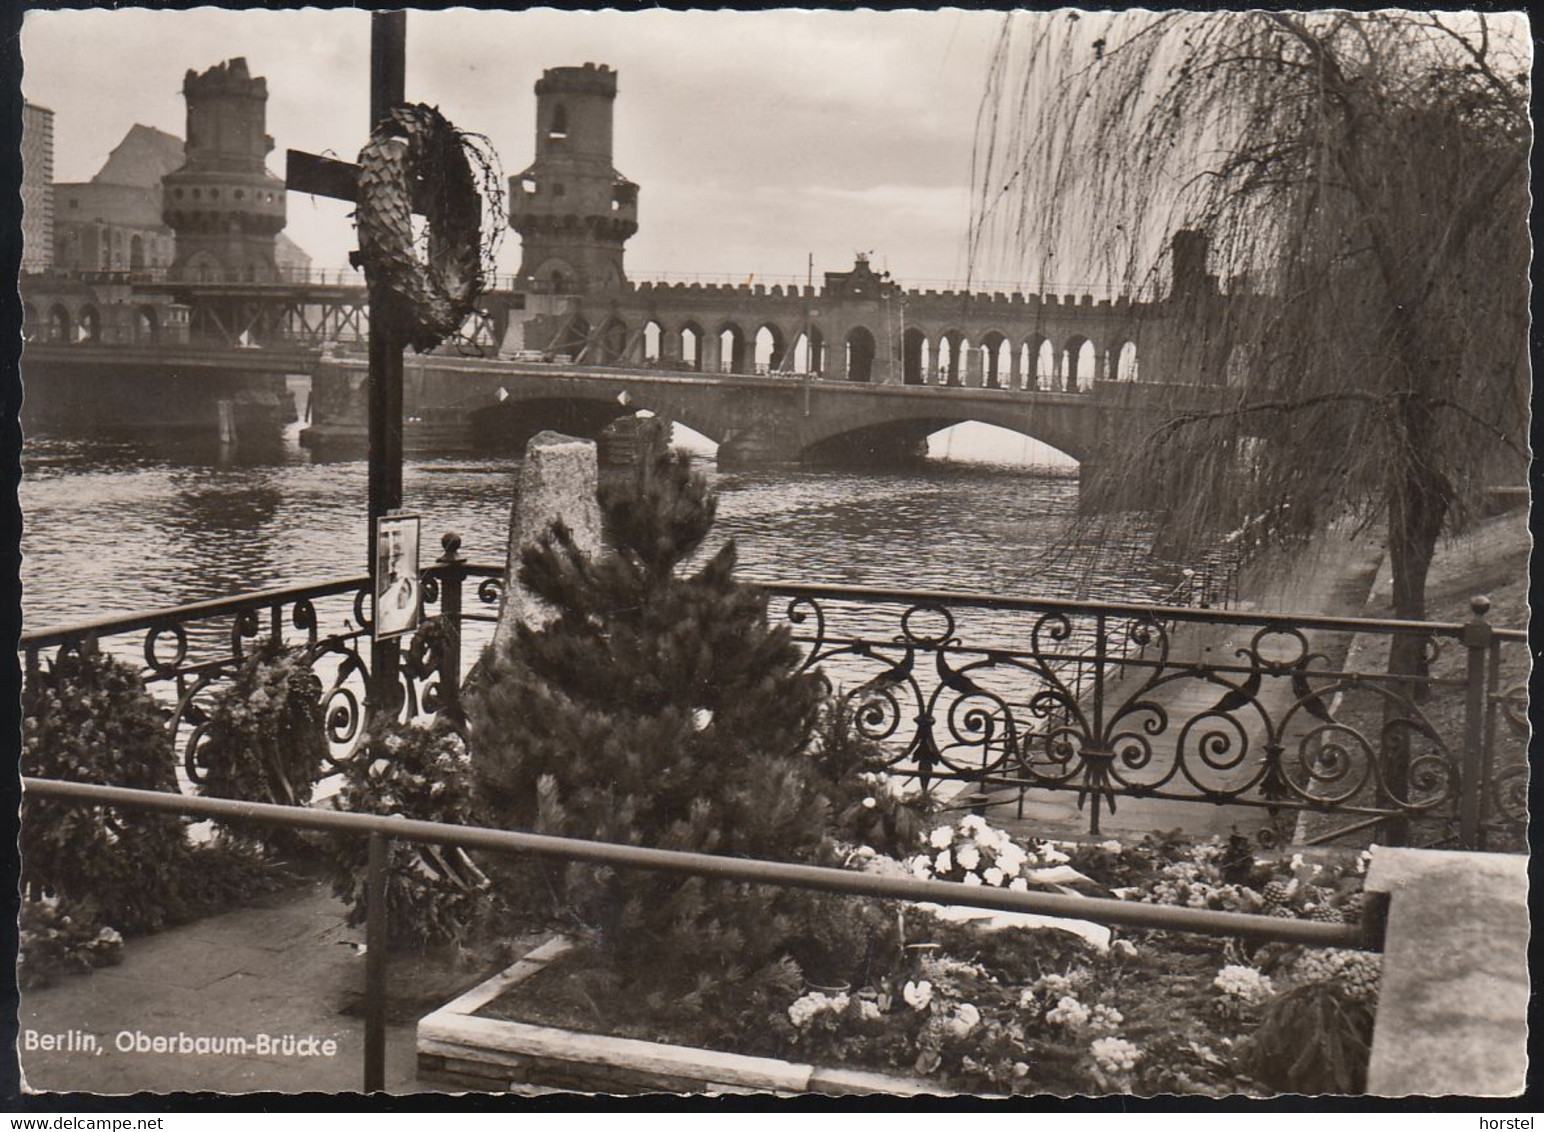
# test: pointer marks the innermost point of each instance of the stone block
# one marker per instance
(557, 481)
(1453, 1000)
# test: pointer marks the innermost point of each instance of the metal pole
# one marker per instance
(452, 573)
(388, 66)
(1477, 638)
(375, 965)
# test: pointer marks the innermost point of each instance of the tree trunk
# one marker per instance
(1418, 505)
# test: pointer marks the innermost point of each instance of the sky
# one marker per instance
(758, 138)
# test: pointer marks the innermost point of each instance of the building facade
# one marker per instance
(37, 188)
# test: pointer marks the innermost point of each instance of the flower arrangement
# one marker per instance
(434, 893)
(972, 852)
(264, 741)
(1020, 1010)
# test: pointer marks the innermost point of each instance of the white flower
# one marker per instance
(918, 995)
(968, 856)
(1111, 846)
(921, 868)
(966, 1018)
(1105, 1020)
(1053, 856)
(807, 1006)
(1027, 998)
(1115, 1055)
(1243, 983)
(943, 862)
(865, 851)
(1297, 861)
(869, 803)
(1011, 858)
(994, 876)
(1068, 1012)
(971, 879)
(941, 838)
(802, 1009)
(1018, 884)
(869, 1011)
(973, 824)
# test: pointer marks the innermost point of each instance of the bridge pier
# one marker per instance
(758, 447)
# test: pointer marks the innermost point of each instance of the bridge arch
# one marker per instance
(1024, 367)
(860, 354)
(29, 321)
(1045, 363)
(507, 422)
(914, 357)
(771, 348)
(653, 341)
(951, 371)
(994, 359)
(1078, 360)
(61, 327)
(732, 352)
(90, 323)
(1124, 362)
(901, 427)
(690, 344)
(147, 324)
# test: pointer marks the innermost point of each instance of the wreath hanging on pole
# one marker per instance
(428, 284)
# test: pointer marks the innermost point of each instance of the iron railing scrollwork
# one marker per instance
(1108, 702)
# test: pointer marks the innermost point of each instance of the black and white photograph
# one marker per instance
(785, 553)
(396, 576)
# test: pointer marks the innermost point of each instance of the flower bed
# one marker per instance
(973, 1001)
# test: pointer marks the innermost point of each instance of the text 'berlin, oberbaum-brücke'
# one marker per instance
(857, 367)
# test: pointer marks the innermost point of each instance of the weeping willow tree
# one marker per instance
(1361, 181)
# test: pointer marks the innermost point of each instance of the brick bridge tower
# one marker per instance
(574, 212)
(224, 205)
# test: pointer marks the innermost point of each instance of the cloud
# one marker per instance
(763, 135)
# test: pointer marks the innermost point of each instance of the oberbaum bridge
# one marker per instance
(857, 368)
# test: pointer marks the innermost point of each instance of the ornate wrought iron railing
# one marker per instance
(1101, 701)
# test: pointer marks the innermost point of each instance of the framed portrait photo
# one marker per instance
(397, 590)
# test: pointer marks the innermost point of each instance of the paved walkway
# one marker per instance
(1332, 582)
(285, 965)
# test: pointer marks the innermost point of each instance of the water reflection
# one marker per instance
(117, 526)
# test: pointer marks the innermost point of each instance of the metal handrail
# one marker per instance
(381, 830)
(216, 606)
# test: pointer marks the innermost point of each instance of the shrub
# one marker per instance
(90, 719)
(264, 740)
(434, 894)
(866, 808)
(657, 709)
(1314, 1038)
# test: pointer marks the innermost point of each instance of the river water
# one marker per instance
(119, 525)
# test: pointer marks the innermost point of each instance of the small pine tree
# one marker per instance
(657, 709)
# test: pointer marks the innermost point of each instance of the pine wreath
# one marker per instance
(427, 297)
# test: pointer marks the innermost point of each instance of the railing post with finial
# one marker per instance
(452, 572)
(1477, 637)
